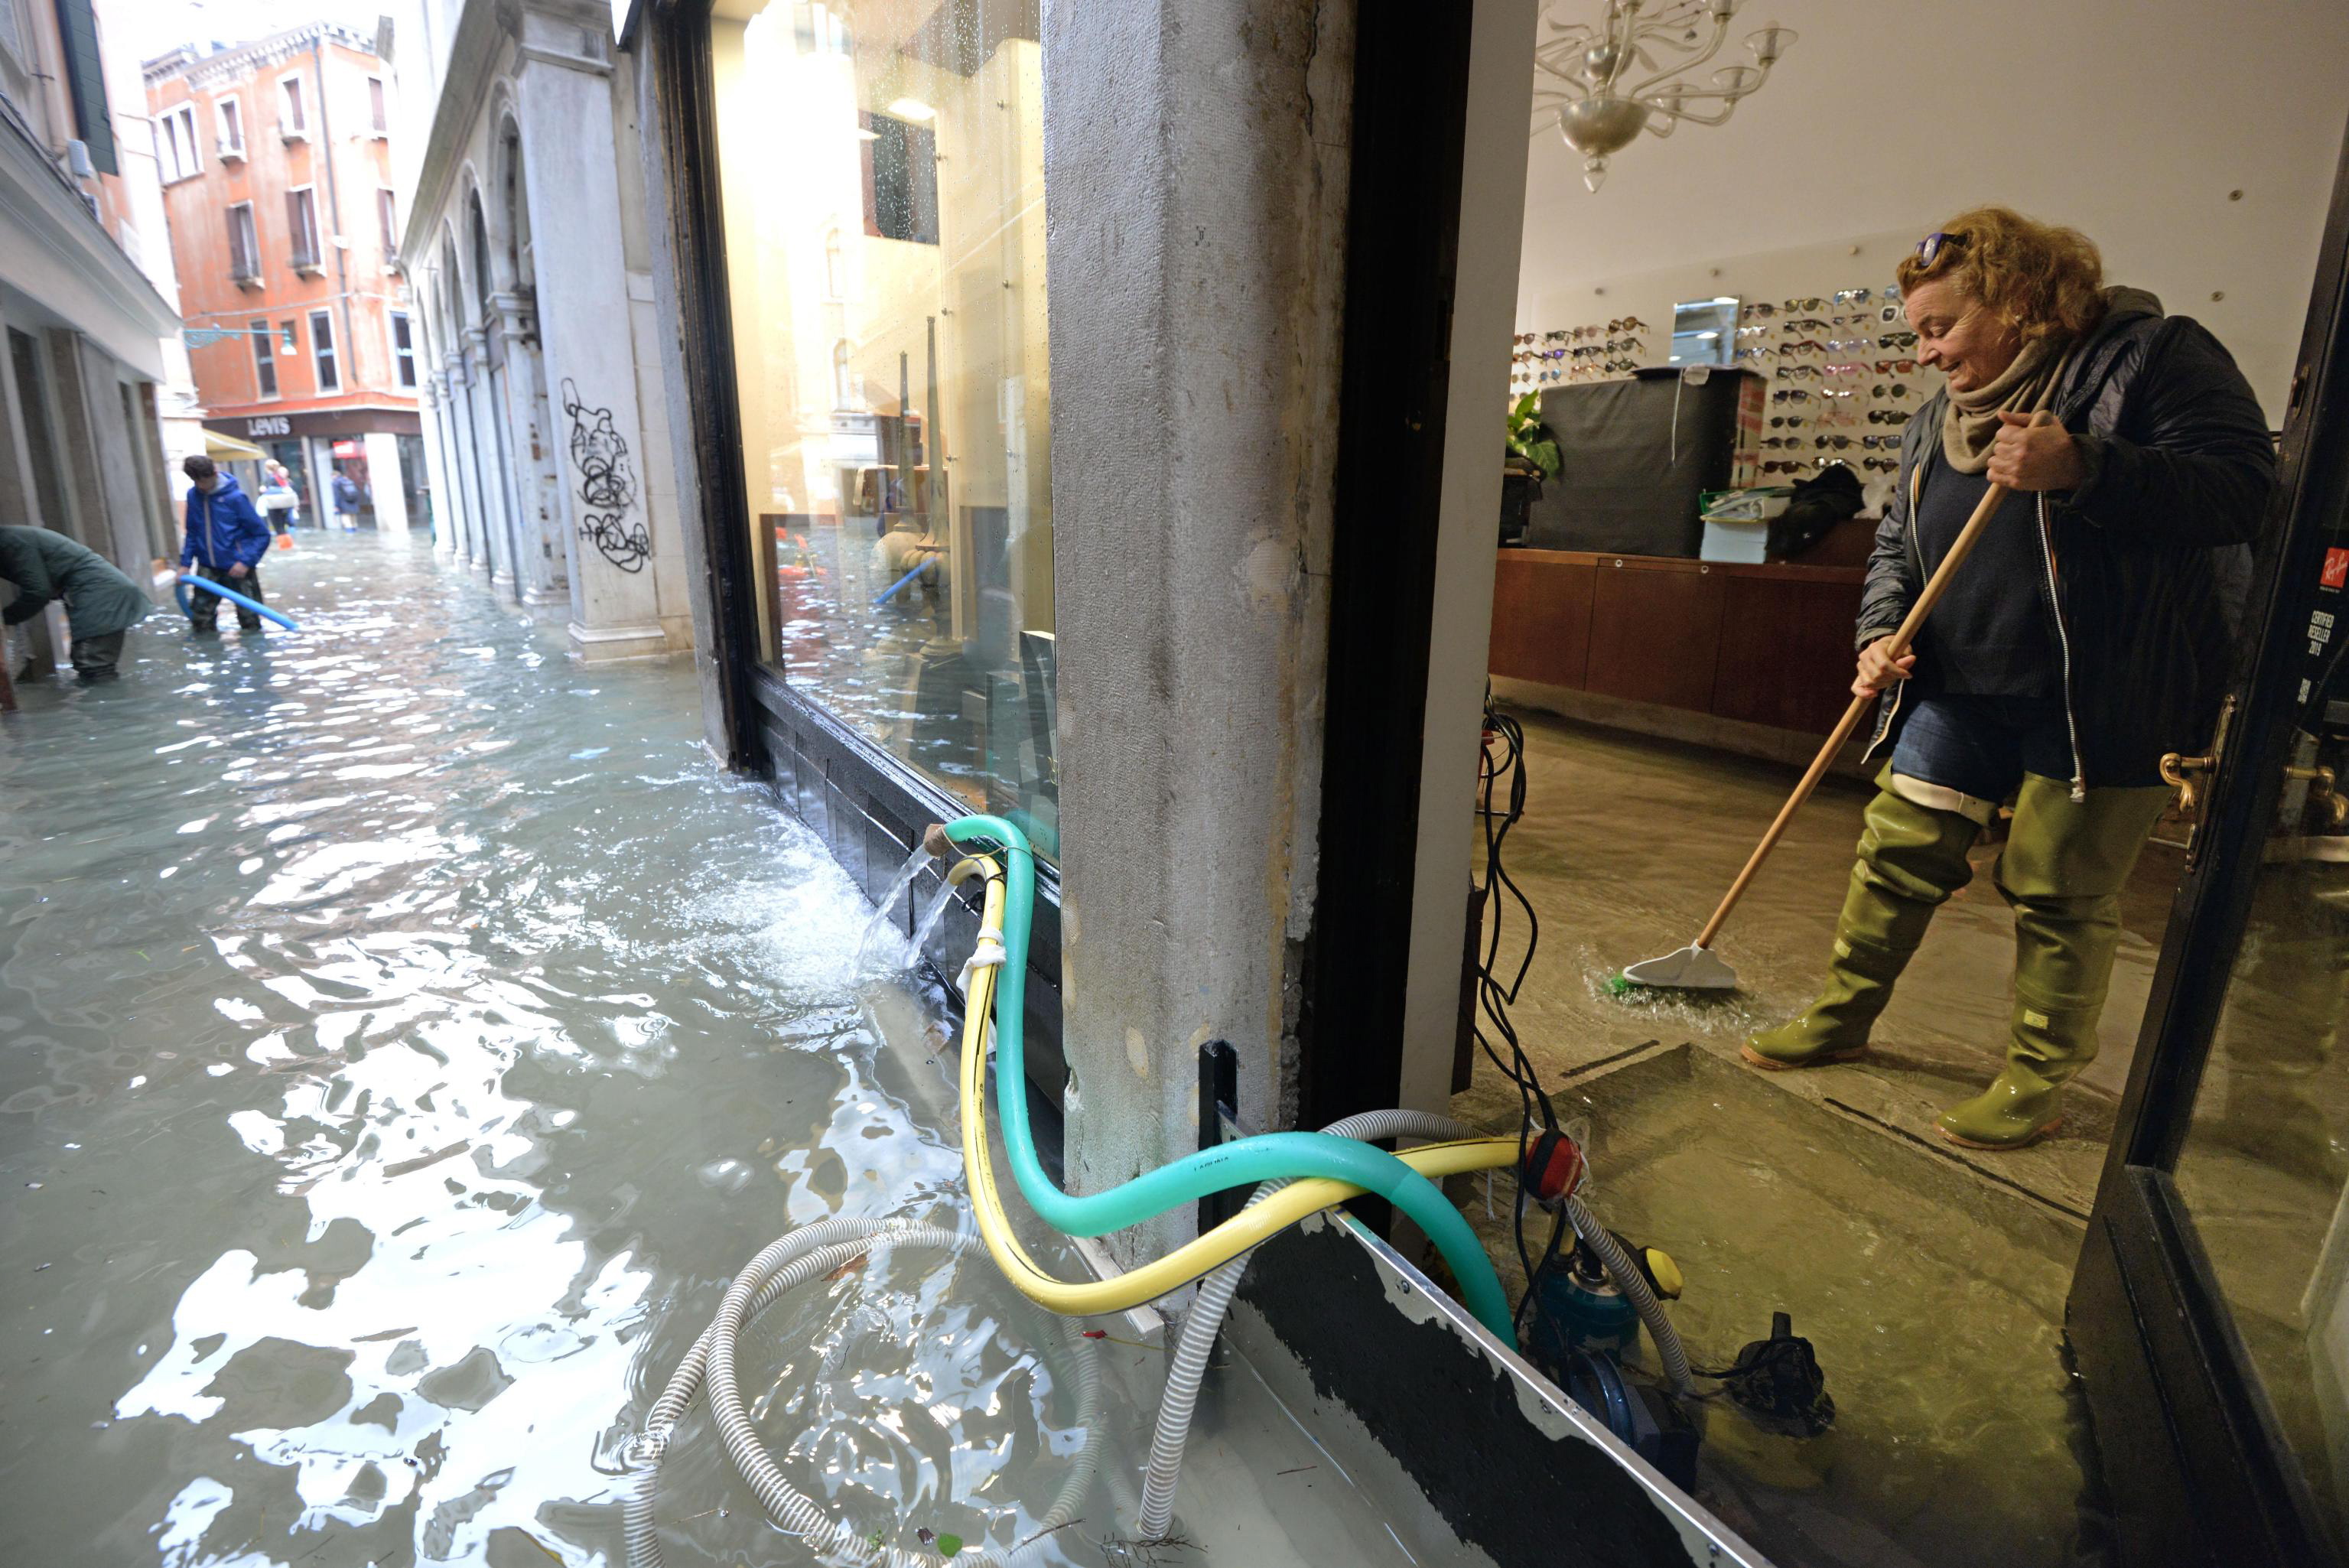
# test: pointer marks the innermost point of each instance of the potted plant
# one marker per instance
(1532, 457)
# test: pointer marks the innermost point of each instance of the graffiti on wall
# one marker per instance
(607, 485)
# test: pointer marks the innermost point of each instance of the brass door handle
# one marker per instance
(2181, 773)
(2323, 793)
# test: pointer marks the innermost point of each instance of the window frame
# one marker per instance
(226, 108)
(253, 247)
(264, 363)
(316, 261)
(378, 108)
(290, 95)
(397, 324)
(175, 130)
(326, 361)
(386, 213)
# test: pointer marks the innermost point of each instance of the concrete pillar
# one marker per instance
(571, 161)
(385, 483)
(497, 505)
(476, 555)
(436, 461)
(532, 456)
(1196, 298)
(319, 467)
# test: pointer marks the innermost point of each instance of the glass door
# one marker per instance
(2209, 1314)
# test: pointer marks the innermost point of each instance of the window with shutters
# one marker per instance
(322, 351)
(175, 144)
(265, 359)
(244, 246)
(232, 128)
(386, 210)
(302, 227)
(292, 118)
(378, 112)
(86, 76)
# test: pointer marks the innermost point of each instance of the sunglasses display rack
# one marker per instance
(1843, 380)
(1566, 356)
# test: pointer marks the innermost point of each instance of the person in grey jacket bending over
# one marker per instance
(102, 603)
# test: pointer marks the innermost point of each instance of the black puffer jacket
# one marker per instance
(2145, 563)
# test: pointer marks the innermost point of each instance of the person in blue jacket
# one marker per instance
(226, 540)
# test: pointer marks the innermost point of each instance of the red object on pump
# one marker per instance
(1553, 1168)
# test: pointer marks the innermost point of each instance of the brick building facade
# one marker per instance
(277, 183)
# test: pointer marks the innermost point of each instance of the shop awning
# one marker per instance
(228, 448)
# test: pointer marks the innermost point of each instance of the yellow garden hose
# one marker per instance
(1250, 1228)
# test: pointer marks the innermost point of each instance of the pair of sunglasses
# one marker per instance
(1879, 465)
(1898, 340)
(1895, 367)
(1930, 247)
(1874, 442)
(1791, 396)
(1794, 467)
(1887, 415)
(1853, 296)
(1891, 390)
(1807, 324)
(1798, 371)
(1837, 442)
(1812, 303)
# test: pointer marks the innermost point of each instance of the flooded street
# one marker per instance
(407, 1034)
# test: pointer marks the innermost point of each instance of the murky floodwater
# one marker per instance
(405, 1035)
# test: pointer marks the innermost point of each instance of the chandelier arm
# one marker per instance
(1720, 32)
(1680, 114)
(1661, 102)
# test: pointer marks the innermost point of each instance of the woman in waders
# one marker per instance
(2089, 633)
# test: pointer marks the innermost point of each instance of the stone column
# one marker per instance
(468, 464)
(571, 158)
(532, 455)
(436, 462)
(1194, 298)
(385, 483)
(497, 495)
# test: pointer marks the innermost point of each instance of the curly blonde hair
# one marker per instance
(2041, 279)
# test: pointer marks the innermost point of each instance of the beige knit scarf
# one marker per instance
(1970, 423)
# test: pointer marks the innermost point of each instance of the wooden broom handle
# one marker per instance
(1934, 588)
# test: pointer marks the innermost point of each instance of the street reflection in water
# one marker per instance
(409, 1032)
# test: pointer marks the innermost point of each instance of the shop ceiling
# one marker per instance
(2131, 118)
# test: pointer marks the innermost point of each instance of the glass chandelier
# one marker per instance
(1601, 83)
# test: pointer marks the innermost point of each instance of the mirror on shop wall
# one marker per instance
(1705, 331)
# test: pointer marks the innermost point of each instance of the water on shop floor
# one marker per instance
(409, 1034)
(1934, 1303)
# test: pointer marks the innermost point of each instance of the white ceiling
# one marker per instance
(2129, 118)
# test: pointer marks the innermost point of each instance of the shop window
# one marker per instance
(403, 347)
(302, 227)
(231, 118)
(322, 351)
(243, 245)
(891, 371)
(265, 359)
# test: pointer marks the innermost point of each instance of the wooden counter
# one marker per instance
(1767, 645)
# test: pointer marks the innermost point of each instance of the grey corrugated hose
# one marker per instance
(806, 1253)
